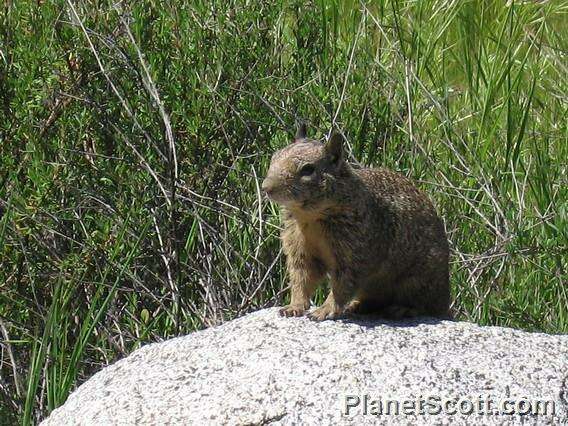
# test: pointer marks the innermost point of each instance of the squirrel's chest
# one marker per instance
(312, 240)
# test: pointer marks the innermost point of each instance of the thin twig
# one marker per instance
(7, 344)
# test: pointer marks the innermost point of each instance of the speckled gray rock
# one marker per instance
(263, 369)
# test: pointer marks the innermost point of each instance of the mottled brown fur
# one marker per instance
(375, 235)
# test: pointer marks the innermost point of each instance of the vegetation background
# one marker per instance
(134, 135)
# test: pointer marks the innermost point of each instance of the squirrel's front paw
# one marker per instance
(324, 312)
(292, 311)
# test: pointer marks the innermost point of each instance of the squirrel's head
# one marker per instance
(302, 174)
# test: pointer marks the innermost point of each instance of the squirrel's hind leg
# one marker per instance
(398, 312)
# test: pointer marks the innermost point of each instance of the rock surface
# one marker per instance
(264, 369)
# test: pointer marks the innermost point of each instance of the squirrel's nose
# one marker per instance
(268, 185)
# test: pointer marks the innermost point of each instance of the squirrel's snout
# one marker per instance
(268, 186)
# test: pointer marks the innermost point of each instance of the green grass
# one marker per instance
(132, 142)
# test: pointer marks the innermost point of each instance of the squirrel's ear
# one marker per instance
(301, 132)
(334, 147)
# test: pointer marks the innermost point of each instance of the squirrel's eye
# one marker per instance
(307, 170)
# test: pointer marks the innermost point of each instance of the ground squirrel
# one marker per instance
(370, 230)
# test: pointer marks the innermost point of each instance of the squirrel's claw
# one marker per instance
(323, 313)
(292, 311)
